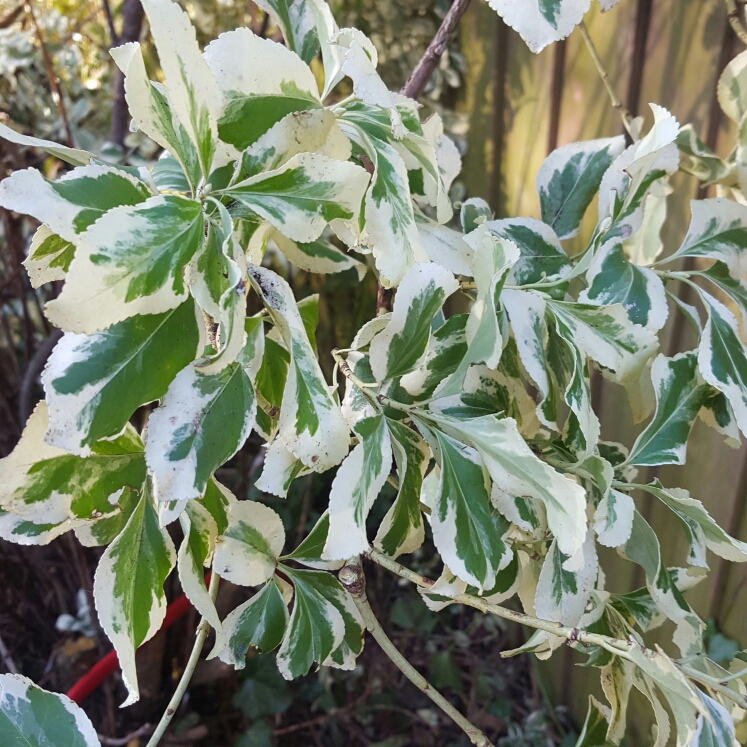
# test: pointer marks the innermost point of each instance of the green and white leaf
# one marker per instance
(316, 626)
(32, 717)
(311, 425)
(94, 383)
(279, 470)
(518, 471)
(355, 488)
(128, 587)
(612, 279)
(541, 22)
(72, 203)
(680, 395)
(151, 112)
(613, 518)
(49, 257)
(295, 19)
(722, 358)
(596, 724)
(718, 414)
(716, 730)
(541, 255)
(195, 554)
(191, 88)
(246, 553)
(44, 484)
(732, 88)
(73, 156)
(131, 261)
(311, 549)
(303, 195)
(562, 595)
(320, 256)
(402, 530)
(492, 261)
(444, 246)
(400, 347)
(262, 82)
(569, 178)
(202, 422)
(261, 622)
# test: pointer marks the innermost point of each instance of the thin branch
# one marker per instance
(604, 75)
(143, 731)
(556, 94)
(10, 665)
(735, 21)
(638, 56)
(56, 95)
(202, 632)
(496, 196)
(422, 72)
(352, 578)
(110, 23)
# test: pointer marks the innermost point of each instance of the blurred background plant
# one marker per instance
(505, 109)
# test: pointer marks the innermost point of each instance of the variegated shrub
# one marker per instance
(482, 421)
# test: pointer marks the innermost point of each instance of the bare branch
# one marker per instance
(422, 72)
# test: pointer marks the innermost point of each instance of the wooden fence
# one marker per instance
(519, 106)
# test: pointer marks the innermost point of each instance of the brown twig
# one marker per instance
(10, 18)
(498, 123)
(556, 94)
(56, 95)
(323, 718)
(143, 731)
(422, 72)
(110, 23)
(638, 56)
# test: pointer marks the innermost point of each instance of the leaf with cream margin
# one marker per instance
(355, 488)
(541, 22)
(314, 131)
(594, 730)
(569, 178)
(391, 227)
(399, 348)
(15, 529)
(698, 523)
(43, 484)
(717, 413)
(680, 395)
(617, 681)
(296, 20)
(73, 156)
(465, 531)
(562, 595)
(718, 230)
(246, 553)
(32, 717)
(195, 554)
(732, 88)
(722, 358)
(402, 530)
(311, 550)
(190, 85)
(515, 468)
(152, 115)
(316, 627)
(279, 470)
(94, 384)
(607, 336)
(643, 548)
(717, 730)
(444, 246)
(491, 263)
(541, 256)
(301, 197)
(49, 257)
(131, 261)
(71, 204)
(612, 279)
(262, 82)
(128, 587)
(320, 256)
(311, 425)
(613, 518)
(260, 622)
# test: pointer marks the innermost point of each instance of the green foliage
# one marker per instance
(483, 421)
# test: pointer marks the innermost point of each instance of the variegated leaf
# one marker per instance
(49, 257)
(246, 552)
(612, 279)
(732, 88)
(355, 488)
(32, 717)
(94, 384)
(594, 731)
(716, 728)
(402, 530)
(73, 156)
(295, 18)
(128, 587)
(680, 394)
(311, 425)
(569, 178)
(261, 622)
(541, 22)
(262, 81)
(320, 256)
(444, 246)
(518, 471)
(399, 348)
(613, 518)
(130, 262)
